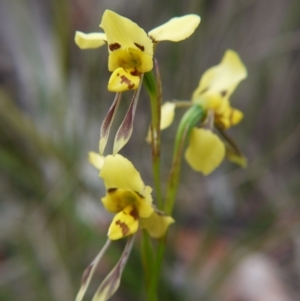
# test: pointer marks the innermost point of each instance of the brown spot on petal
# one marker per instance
(124, 79)
(141, 196)
(219, 121)
(134, 72)
(139, 46)
(153, 40)
(111, 190)
(123, 226)
(134, 213)
(223, 93)
(114, 46)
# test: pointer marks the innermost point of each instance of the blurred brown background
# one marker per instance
(236, 236)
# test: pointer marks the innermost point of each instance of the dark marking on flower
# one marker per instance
(139, 46)
(135, 72)
(134, 213)
(114, 46)
(219, 121)
(223, 93)
(86, 274)
(111, 190)
(123, 226)
(204, 90)
(141, 196)
(217, 118)
(153, 40)
(127, 81)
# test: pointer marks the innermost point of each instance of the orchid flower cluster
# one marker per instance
(131, 61)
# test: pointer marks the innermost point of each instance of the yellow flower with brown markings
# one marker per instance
(216, 86)
(131, 48)
(129, 198)
(206, 150)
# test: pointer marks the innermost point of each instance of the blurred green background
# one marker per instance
(236, 236)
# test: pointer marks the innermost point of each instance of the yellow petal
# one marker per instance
(130, 58)
(177, 29)
(205, 151)
(129, 45)
(119, 172)
(121, 80)
(221, 80)
(89, 40)
(123, 33)
(216, 103)
(166, 118)
(117, 199)
(167, 114)
(96, 160)
(124, 223)
(157, 224)
(144, 204)
(235, 116)
(228, 117)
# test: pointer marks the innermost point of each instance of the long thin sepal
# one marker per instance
(89, 272)
(125, 129)
(107, 122)
(112, 282)
(233, 153)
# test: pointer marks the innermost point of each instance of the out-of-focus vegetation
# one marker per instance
(53, 98)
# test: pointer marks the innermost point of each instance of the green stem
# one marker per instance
(188, 121)
(147, 261)
(154, 90)
(153, 86)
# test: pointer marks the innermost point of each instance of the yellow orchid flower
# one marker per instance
(129, 198)
(206, 150)
(216, 86)
(131, 48)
